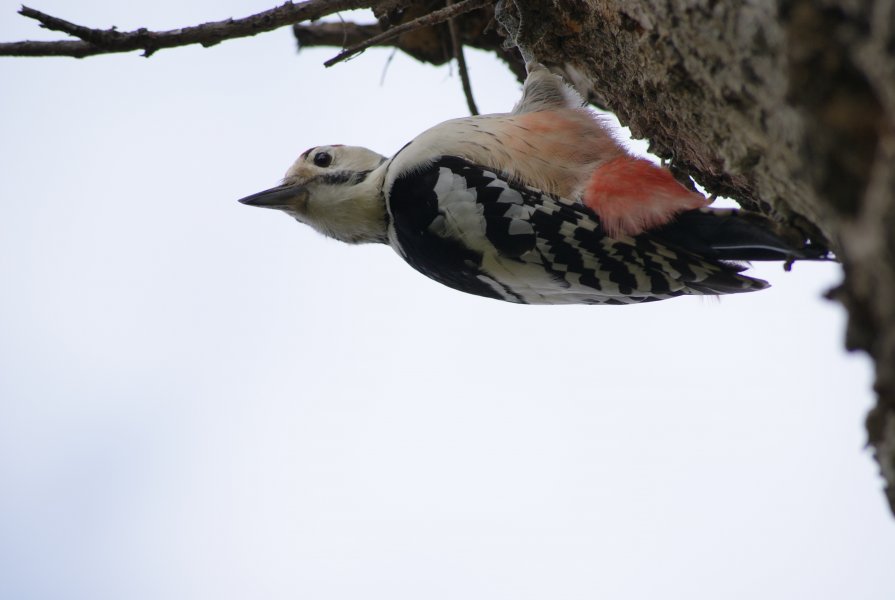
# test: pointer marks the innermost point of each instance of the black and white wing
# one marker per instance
(474, 230)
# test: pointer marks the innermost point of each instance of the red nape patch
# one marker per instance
(632, 195)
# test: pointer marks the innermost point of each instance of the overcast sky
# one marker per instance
(200, 399)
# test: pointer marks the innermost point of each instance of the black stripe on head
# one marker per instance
(343, 177)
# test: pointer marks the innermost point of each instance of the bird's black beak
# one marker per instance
(283, 197)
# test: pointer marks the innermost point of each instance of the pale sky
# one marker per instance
(200, 399)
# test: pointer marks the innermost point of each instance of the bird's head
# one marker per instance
(337, 190)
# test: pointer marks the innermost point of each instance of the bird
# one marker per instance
(541, 205)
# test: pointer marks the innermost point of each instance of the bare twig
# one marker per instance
(339, 35)
(419, 47)
(388, 63)
(433, 18)
(94, 36)
(342, 35)
(461, 64)
(105, 41)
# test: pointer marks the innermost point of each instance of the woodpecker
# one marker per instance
(541, 205)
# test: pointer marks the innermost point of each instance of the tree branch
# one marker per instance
(474, 30)
(433, 18)
(461, 65)
(106, 41)
(339, 35)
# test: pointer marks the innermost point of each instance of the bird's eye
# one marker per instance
(323, 159)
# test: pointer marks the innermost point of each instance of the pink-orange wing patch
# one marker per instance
(632, 195)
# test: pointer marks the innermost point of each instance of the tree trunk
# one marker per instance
(787, 107)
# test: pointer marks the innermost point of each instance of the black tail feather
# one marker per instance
(731, 234)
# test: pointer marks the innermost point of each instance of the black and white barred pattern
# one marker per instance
(471, 229)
